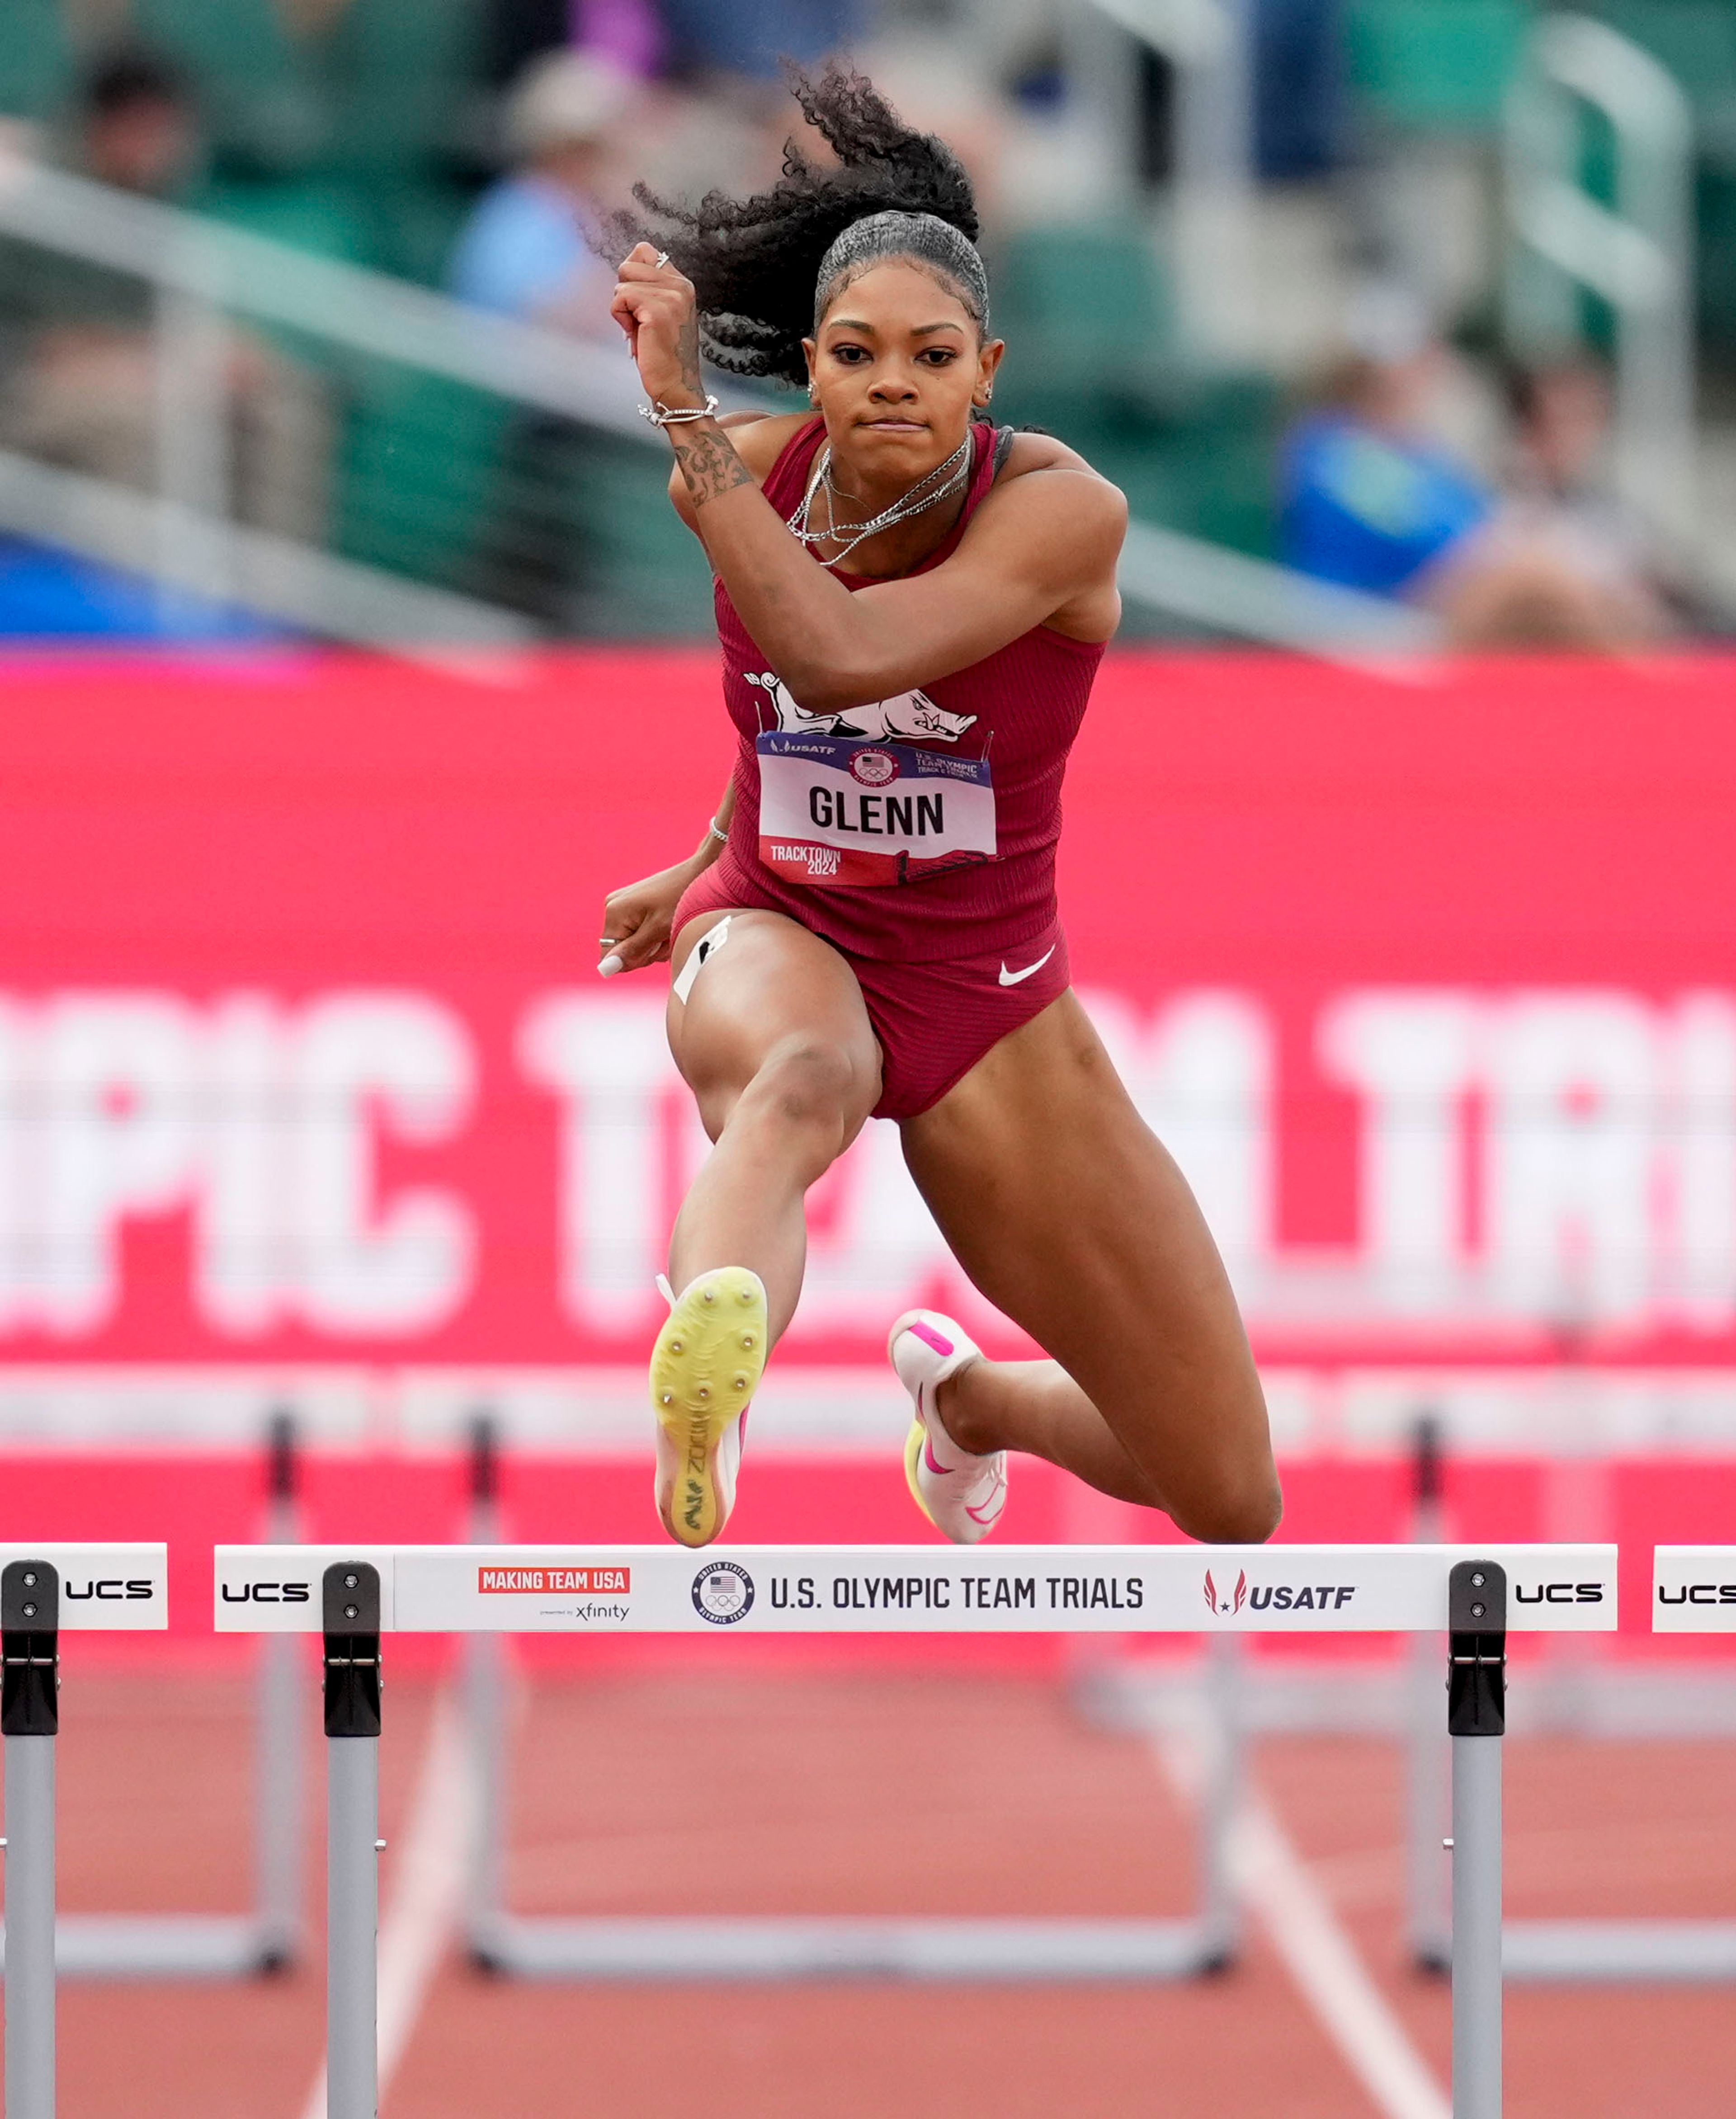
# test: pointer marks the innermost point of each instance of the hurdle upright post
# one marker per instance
(278, 1831)
(1476, 1719)
(1427, 1750)
(29, 1718)
(486, 1714)
(351, 1617)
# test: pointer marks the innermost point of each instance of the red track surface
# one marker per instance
(874, 1792)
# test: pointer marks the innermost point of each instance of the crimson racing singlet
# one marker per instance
(917, 828)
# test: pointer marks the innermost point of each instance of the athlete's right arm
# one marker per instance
(1039, 547)
(757, 438)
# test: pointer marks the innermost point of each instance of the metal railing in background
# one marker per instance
(1210, 209)
(186, 532)
(1636, 254)
(1229, 593)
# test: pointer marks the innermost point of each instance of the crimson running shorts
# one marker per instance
(934, 1021)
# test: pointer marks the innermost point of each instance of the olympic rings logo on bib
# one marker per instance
(873, 768)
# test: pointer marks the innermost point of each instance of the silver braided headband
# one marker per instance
(923, 236)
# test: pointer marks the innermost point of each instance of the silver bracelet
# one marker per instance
(660, 416)
(717, 831)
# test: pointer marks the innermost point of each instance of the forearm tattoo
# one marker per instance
(689, 355)
(708, 461)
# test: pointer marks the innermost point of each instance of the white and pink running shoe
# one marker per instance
(960, 1493)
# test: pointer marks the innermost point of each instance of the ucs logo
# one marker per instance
(1226, 1607)
(1559, 1592)
(1698, 1592)
(268, 1592)
(109, 1592)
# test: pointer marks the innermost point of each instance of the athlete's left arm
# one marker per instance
(1041, 543)
(1042, 546)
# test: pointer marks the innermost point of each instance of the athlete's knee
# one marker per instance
(1238, 1507)
(808, 1082)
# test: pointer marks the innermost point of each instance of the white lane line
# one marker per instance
(1274, 1883)
(422, 1912)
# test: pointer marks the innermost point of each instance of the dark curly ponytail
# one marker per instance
(753, 262)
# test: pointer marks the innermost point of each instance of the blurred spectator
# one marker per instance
(1372, 501)
(1560, 508)
(1369, 499)
(81, 368)
(141, 131)
(523, 250)
(629, 34)
(1302, 96)
(751, 38)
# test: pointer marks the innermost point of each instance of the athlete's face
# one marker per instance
(898, 368)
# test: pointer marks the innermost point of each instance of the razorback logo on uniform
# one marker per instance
(911, 715)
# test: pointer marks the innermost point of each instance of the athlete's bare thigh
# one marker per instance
(773, 995)
(1070, 1215)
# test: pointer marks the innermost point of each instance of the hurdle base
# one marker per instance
(1584, 1952)
(1590, 1952)
(166, 1946)
(738, 1948)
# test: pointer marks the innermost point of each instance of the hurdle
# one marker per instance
(519, 1945)
(266, 1939)
(1693, 1592)
(1584, 1951)
(355, 1595)
(46, 1591)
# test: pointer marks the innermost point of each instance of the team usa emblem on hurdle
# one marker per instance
(1231, 1604)
(723, 1593)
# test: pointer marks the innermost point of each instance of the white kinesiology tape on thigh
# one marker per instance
(707, 948)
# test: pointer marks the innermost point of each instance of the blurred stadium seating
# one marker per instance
(363, 136)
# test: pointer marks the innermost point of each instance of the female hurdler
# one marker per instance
(912, 605)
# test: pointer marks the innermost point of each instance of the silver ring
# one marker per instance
(607, 941)
(662, 260)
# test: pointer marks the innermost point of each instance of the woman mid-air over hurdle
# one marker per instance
(913, 605)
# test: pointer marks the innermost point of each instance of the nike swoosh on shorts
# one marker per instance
(1015, 978)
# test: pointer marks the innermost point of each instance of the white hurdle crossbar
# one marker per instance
(47, 1590)
(353, 1595)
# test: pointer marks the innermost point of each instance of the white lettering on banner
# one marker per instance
(1538, 1157)
(259, 1118)
(878, 1249)
(406, 1059)
(245, 1270)
(1200, 1074)
(13, 1124)
(608, 1061)
(1699, 1156)
(1201, 1077)
(1411, 1057)
(1568, 1156)
(118, 1137)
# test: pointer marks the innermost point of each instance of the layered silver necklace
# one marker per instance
(944, 479)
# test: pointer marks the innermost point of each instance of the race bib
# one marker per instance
(835, 812)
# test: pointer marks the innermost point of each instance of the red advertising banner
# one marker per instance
(1429, 982)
